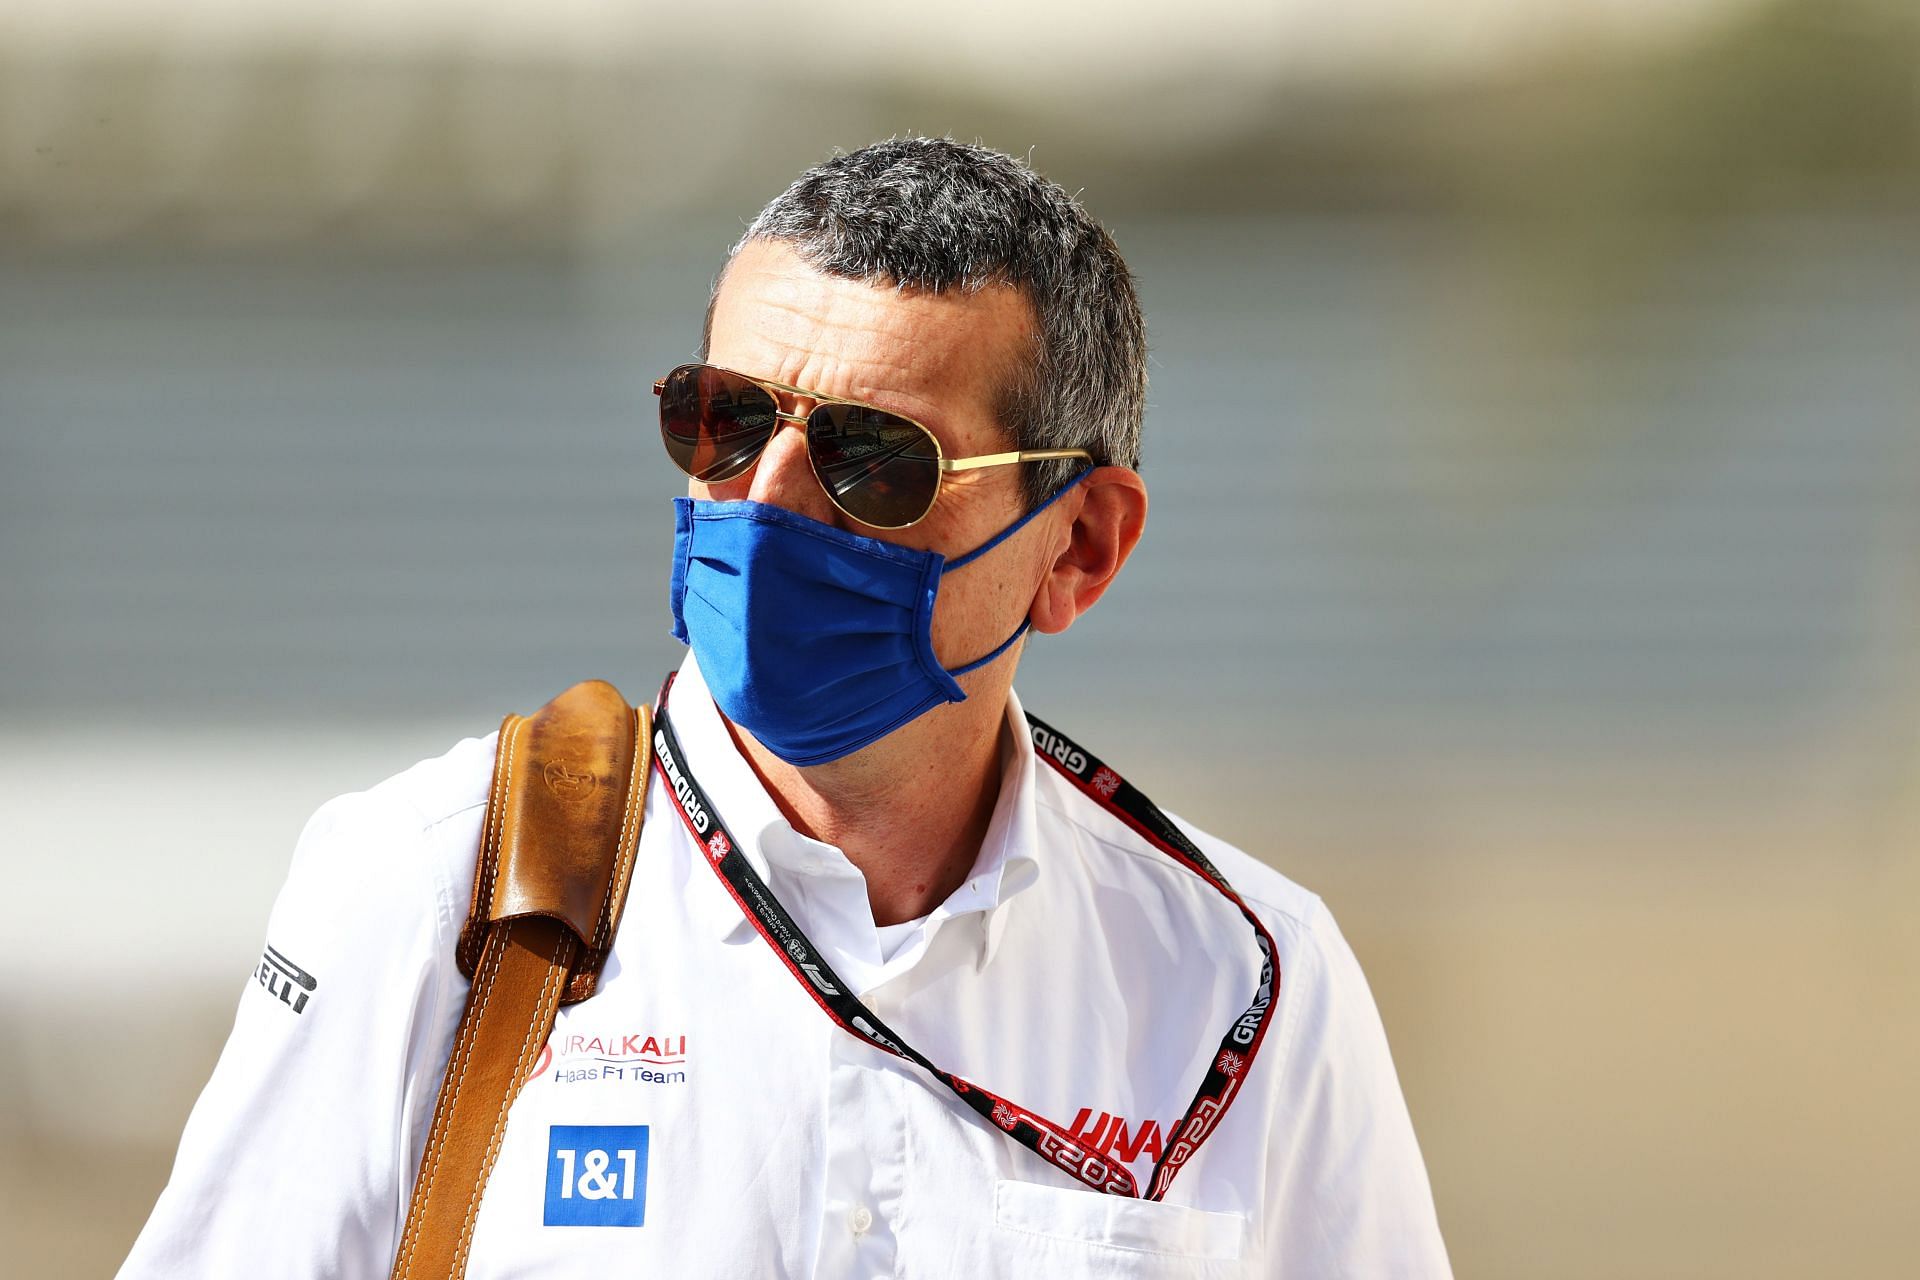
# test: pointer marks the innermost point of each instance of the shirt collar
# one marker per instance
(724, 774)
(732, 787)
(1005, 867)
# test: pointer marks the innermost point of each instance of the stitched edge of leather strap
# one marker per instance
(541, 1026)
(527, 949)
(518, 954)
(586, 975)
(473, 931)
(517, 743)
(457, 1067)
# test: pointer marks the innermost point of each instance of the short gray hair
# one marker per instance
(935, 214)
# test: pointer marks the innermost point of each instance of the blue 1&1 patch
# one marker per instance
(597, 1175)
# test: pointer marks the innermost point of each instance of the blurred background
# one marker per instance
(1532, 569)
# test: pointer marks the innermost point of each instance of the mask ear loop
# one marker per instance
(1004, 646)
(995, 541)
(1017, 525)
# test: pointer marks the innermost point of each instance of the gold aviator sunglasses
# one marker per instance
(880, 467)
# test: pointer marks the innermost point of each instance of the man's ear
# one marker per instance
(1107, 516)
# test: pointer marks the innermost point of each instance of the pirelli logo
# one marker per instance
(284, 980)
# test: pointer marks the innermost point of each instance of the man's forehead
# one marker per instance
(773, 305)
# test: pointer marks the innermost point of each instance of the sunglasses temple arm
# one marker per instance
(980, 460)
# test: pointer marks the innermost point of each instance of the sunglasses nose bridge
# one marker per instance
(783, 474)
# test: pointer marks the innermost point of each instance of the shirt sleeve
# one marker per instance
(298, 1158)
(1350, 1196)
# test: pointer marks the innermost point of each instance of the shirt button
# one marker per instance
(861, 1219)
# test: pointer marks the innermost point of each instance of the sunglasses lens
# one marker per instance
(880, 469)
(714, 423)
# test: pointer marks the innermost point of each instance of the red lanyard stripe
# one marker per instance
(810, 969)
(1106, 788)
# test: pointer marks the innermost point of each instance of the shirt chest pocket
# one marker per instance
(1058, 1232)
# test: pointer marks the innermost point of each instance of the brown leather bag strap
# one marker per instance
(562, 827)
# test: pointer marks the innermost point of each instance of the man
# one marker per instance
(912, 436)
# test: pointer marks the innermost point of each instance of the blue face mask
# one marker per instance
(814, 640)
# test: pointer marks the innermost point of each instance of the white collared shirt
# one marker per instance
(701, 1116)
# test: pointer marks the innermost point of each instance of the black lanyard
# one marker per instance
(831, 993)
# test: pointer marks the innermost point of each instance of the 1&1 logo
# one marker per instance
(597, 1175)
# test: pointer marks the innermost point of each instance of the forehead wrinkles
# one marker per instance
(910, 350)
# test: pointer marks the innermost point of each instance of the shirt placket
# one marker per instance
(866, 1161)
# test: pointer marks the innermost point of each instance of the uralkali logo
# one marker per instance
(636, 1058)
